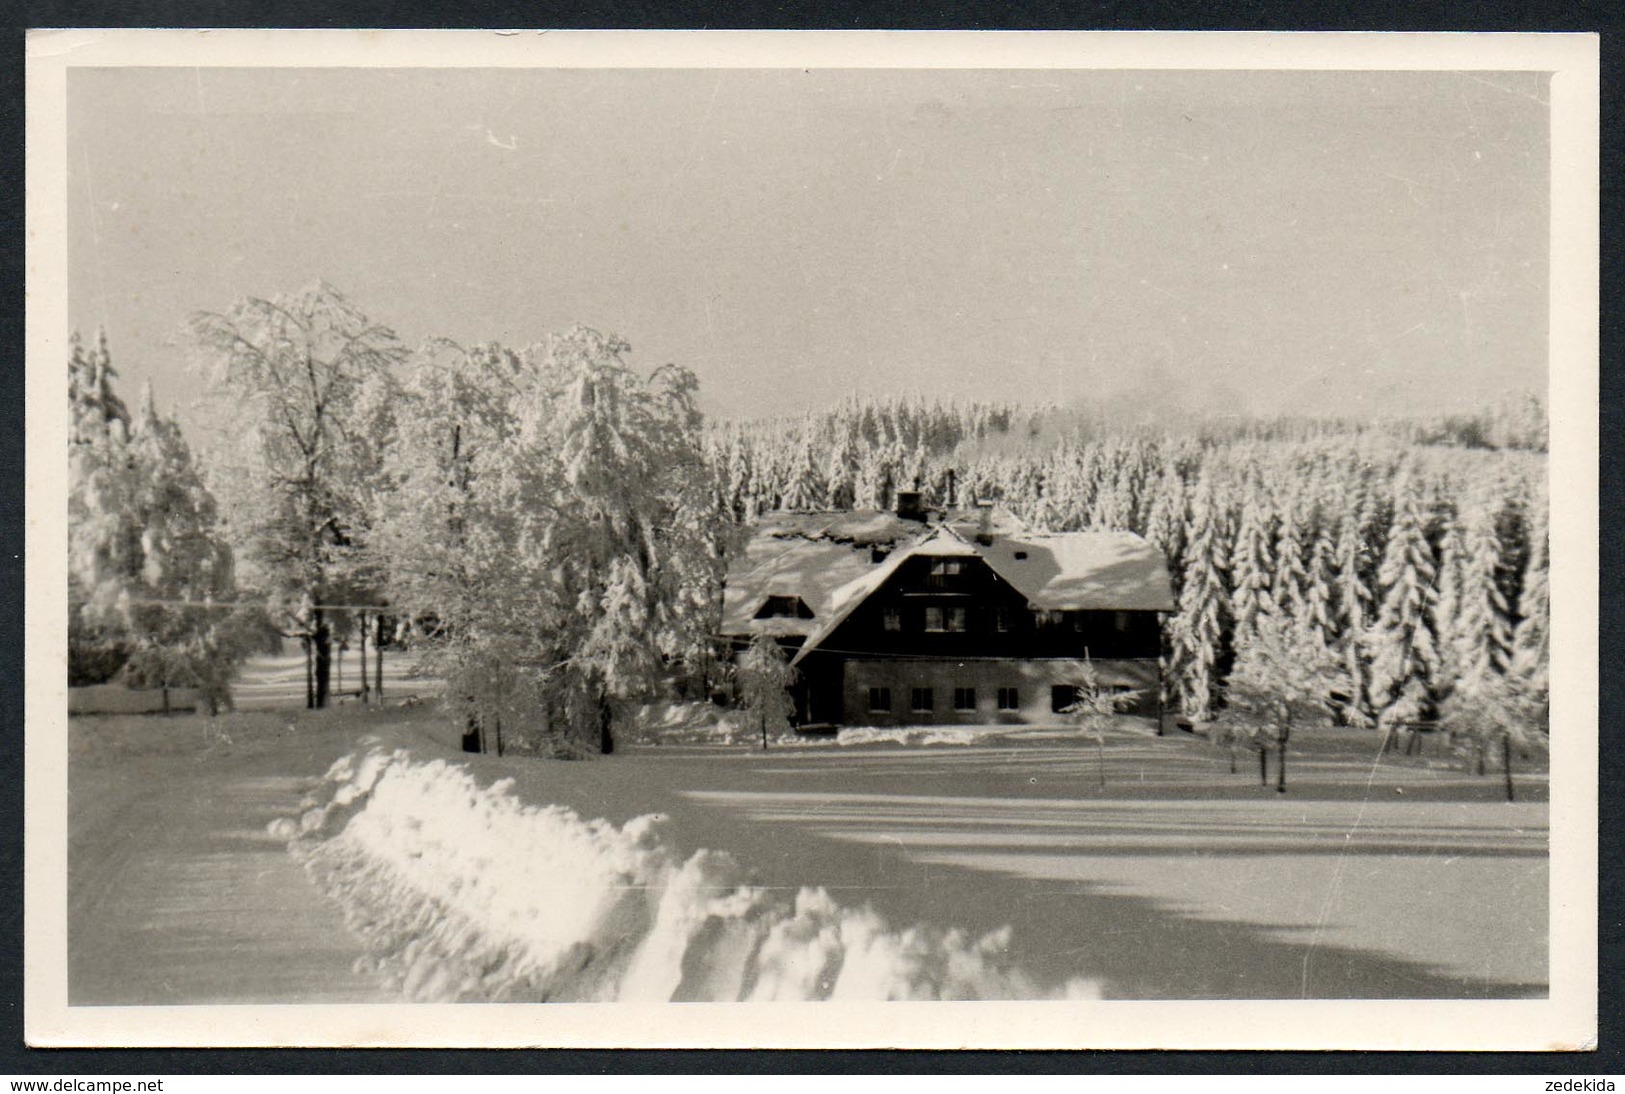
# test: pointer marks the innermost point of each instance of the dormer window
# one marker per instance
(1021, 556)
(784, 607)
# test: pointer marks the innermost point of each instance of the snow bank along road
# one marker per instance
(1177, 880)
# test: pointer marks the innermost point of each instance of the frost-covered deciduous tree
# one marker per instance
(764, 677)
(1281, 679)
(1495, 711)
(632, 540)
(438, 540)
(554, 512)
(304, 384)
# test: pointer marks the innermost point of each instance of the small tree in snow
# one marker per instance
(1282, 678)
(764, 677)
(1094, 706)
(1495, 710)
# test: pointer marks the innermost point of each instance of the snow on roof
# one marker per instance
(864, 527)
(788, 566)
(1084, 571)
(825, 558)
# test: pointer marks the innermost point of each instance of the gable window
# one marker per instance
(1009, 699)
(1062, 696)
(892, 619)
(945, 572)
(880, 700)
(919, 701)
(784, 607)
(964, 698)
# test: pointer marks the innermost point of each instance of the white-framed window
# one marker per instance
(892, 618)
(964, 699)
(1120, 621)
(956, 619)
(1001, 620)
(934, 620)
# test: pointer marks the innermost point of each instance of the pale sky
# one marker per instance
(1342, 242)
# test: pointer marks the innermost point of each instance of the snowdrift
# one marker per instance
(465, 893)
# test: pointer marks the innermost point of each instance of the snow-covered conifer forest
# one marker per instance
(552, 526)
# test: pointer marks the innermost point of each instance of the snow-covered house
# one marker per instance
(915, 617)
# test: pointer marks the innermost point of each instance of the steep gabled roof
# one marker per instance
(940, 542)
(826, 560)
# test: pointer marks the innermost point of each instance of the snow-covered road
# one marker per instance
(176, 894)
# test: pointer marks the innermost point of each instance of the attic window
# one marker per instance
(1021, 556)
(878, 555)
(784, 607)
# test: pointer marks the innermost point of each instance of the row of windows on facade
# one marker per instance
(946, 619)
(941, 619)
(923, 700)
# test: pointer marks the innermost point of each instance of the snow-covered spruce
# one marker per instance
(468, 894)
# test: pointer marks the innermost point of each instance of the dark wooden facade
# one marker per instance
(946, 639)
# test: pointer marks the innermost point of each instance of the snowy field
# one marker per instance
(996, 867)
